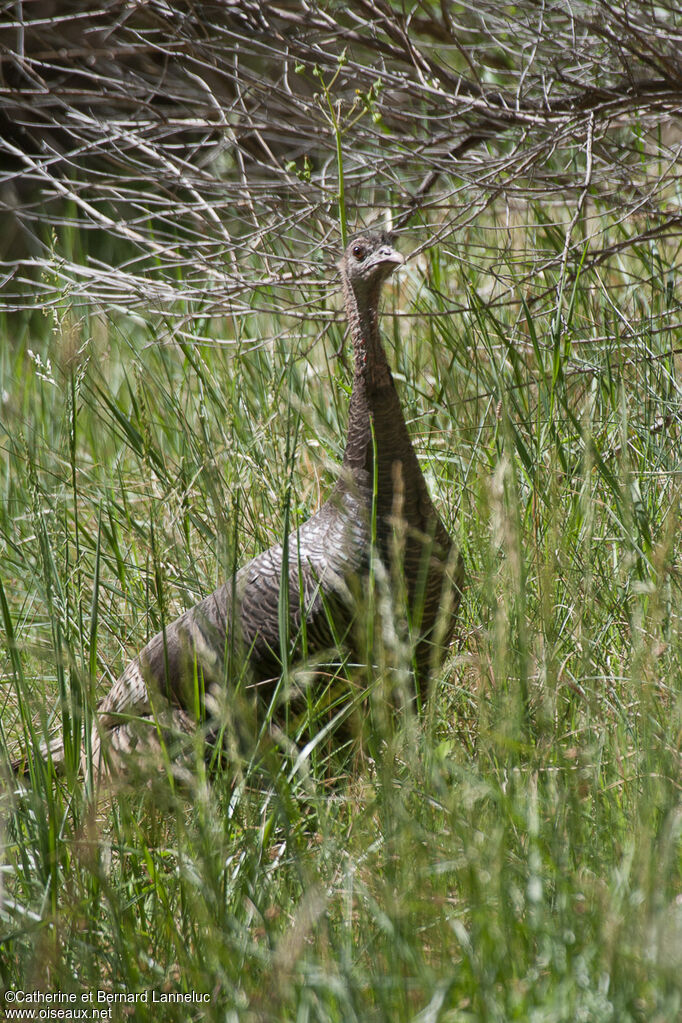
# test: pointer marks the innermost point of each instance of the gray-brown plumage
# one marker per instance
(235, 632)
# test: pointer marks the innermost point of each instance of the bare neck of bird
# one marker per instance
(371, 366)
(375, 419)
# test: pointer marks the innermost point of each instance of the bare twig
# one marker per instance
(195, 137)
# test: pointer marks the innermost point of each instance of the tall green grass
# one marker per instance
(515, 853)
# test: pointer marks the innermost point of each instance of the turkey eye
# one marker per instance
(358, 252)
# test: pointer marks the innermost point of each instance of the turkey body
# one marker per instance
(233, 637)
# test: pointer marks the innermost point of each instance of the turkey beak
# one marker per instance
(388, 258)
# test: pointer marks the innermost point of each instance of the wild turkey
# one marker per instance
(236, 630)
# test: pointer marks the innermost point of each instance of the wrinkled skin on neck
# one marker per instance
(362, 308)
(373, 388)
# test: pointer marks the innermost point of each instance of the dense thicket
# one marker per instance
(195, 136)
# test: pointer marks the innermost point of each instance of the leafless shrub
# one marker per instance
(203, 137)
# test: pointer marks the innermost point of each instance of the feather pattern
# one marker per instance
(235, 632)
